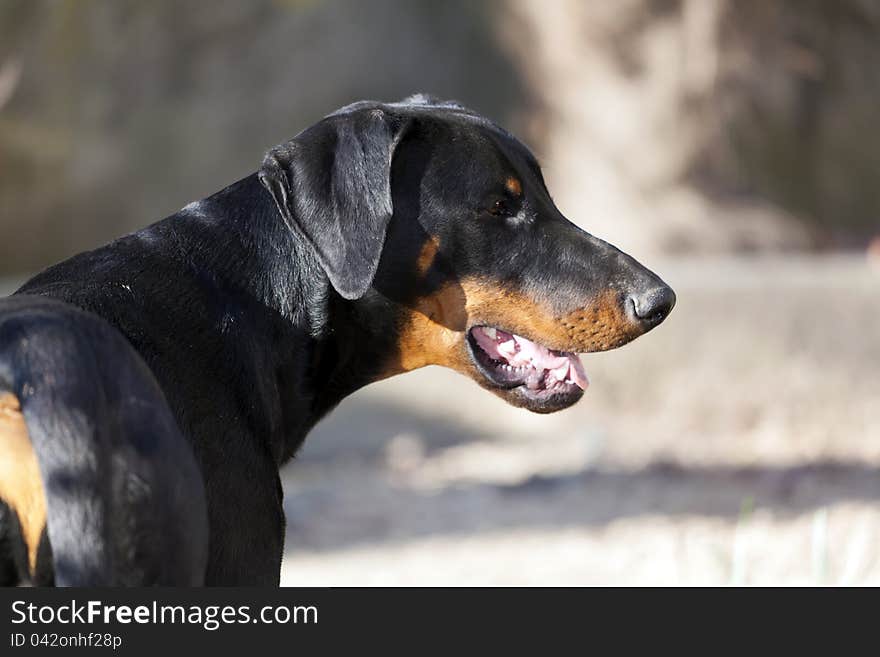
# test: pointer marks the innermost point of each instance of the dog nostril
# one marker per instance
(653, 306)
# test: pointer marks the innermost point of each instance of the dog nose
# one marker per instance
(652, 306)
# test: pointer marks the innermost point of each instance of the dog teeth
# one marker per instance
(490, 332)
(516, 369)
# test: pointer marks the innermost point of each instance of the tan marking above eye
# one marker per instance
(427, 255)
(21, 486)
(513, 185)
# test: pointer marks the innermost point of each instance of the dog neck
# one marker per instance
(236, 240)
(317, 340)
(246, 243)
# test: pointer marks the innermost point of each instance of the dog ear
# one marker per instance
(332, 185)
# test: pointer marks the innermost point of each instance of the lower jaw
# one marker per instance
(541, 400)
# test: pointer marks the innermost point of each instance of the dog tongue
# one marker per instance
(546, 364)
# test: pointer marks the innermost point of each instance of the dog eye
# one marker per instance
(499, 209)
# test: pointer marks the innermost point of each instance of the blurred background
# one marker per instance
(732, 146)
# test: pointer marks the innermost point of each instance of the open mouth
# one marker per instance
(511, 361)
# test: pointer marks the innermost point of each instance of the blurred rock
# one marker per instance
(125, 111)
(673, 125)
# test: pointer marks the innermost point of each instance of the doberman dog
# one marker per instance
(150, 390)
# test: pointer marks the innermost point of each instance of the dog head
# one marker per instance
(438, 220)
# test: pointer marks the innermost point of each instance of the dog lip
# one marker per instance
(477, 356)
(549, 344)
(507, 360)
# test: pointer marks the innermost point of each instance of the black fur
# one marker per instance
(183, 365)
(122, 488)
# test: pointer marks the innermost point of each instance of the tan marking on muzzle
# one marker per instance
(600, 325)
(21, 486)
(433, 330)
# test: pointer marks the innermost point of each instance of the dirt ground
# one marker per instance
(738, 443)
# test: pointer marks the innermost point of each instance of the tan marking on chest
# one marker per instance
(21, 486)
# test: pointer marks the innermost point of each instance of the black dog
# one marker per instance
(150, 390)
